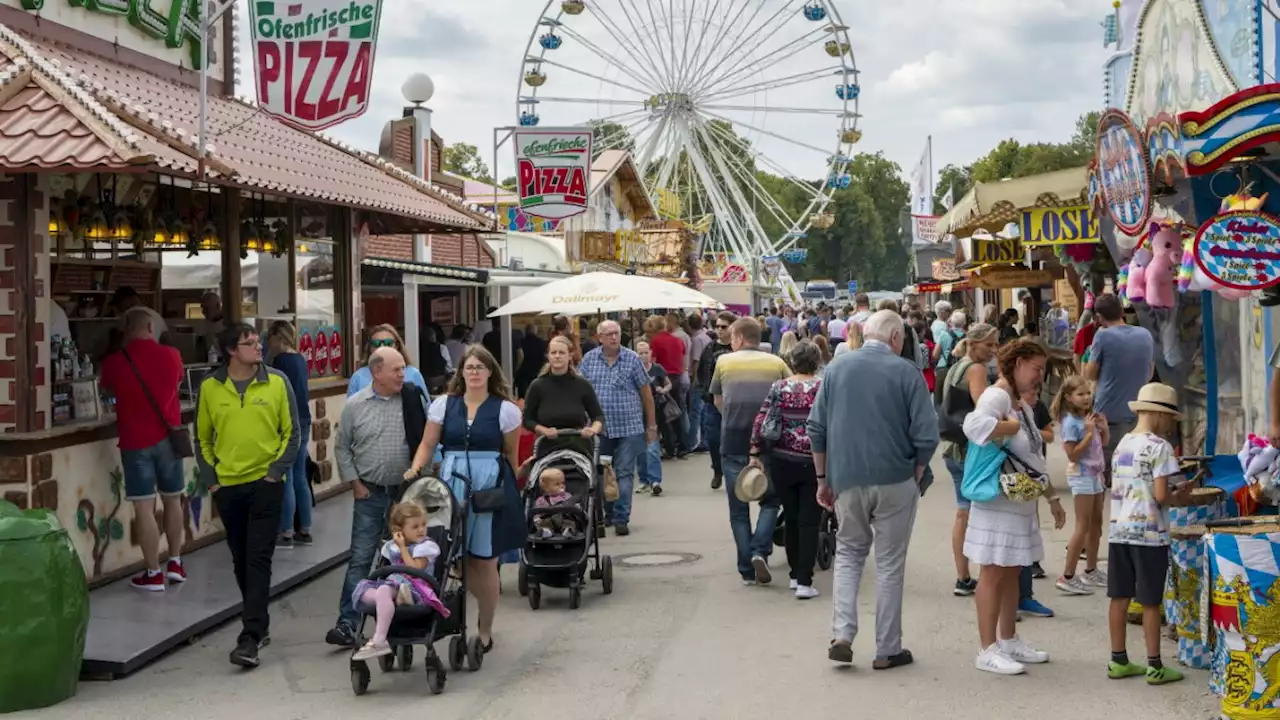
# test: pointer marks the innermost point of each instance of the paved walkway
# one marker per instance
(672, 642)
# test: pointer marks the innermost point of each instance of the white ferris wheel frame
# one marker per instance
(700, 93)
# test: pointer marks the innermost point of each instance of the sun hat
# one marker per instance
(1157, 397)
(751, 485)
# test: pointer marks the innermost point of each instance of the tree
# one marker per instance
(954, 179)
(510, 183)
(464, 160)
(609, 135)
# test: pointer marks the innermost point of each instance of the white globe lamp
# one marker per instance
(418, 89)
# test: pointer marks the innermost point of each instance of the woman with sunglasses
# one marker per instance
(385, 336)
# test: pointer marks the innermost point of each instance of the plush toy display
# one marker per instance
(1165, 242)
(1135, 288)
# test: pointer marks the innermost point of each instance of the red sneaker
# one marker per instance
(148, 583)
(175, 572)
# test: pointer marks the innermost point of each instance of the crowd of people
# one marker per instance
(777, 403)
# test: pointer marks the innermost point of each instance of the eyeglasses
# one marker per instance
(386, 342)
(474, 369)
(722, 327)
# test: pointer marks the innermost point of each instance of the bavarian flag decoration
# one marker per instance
(1244, 612)
(313, 59)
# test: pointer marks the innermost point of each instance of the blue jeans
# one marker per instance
(750, 543)
(626, 452)
(651, 465)
(692, 440)
(711, 434)
(151, 469)
(297, 492)
(957, 478)
(368, 529)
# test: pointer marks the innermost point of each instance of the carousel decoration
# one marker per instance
(688, 121)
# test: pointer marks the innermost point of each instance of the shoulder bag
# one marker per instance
(179, 437)
(956, 404)
(488, 500)
(1018, 480)
(771, 426)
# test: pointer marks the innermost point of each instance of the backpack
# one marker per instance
(955, 340)
(955, 405)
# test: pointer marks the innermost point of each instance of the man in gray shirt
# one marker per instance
(373, 454)
(1121, 361)
(876, 461)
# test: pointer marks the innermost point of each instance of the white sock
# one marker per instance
(176, 559)
(152, 573)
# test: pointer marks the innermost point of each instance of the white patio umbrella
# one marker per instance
(605, 292)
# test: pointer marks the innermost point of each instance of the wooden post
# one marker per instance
(232, 296)
(291, 217)
(28, 238)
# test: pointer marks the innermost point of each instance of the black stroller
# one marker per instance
(419, 625)
(826, 536)
(560, 561)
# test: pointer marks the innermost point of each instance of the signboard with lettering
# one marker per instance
(169, 31)
(925, 228)
(1010, 278)
(1123, 172)
(998, 250)
(553, 166)
(1059, 226)
(945, 269)
(1240, 250)
(314, 58)
(853, 287)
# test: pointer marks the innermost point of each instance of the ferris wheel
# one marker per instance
(726, 106)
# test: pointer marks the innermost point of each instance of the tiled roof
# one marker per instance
(246, 147)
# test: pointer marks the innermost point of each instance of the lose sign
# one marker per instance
(314, 58)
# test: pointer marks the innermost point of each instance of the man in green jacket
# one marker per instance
(245, 444)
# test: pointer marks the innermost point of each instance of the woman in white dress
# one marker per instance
(1004, 535)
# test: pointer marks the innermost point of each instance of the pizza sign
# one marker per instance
(1240, 250)
(314, 58)
(553, 168)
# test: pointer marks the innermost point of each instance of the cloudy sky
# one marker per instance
(967, 72)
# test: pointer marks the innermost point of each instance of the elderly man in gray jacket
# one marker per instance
(876, 410)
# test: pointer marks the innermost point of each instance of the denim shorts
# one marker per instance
(1085, 485)
(151, 469)
(957, 477)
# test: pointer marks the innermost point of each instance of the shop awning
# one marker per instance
(991, 206)
(109, 116)
(457, 275)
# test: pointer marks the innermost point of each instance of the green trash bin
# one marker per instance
(44, 610)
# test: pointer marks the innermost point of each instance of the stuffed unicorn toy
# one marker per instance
(1165, 242)
(1258, 460)
(1135, 288)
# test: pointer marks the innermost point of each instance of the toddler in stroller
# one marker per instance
(409, 546)
(552, 482)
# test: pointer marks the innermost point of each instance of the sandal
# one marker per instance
(487, 646)
(893, 661)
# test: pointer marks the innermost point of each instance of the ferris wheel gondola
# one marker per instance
(724, 105)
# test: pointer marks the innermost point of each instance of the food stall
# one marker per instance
(107, 202)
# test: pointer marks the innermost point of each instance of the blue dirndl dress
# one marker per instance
(475, 451)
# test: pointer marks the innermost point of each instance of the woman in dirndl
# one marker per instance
(478, 427)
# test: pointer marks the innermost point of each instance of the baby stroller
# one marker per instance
(826, 539)
(420, 625)
(826, 536)
(560, 561)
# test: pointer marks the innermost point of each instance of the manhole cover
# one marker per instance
(655, 559)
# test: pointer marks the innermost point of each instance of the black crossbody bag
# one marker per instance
(179, 437)
(483, 501)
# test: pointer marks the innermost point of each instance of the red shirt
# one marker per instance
(1084, 338)
(668, 351)
(161, 365)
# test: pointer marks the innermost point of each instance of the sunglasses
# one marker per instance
(722, 327)
(388, 342)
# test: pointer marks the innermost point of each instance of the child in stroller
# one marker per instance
(409, 546)
(552, 482)
(416, 589)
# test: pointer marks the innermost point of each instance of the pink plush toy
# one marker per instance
(1135, 288)
(1165, 242)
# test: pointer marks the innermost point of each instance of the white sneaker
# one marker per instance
(763, 576)
(994, 660)
(806, 592)
(1095, 578)
(1073, 586)
(1019, 650)
(793, 584)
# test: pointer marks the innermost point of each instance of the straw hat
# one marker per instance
(751, 485)
(1157, 397)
